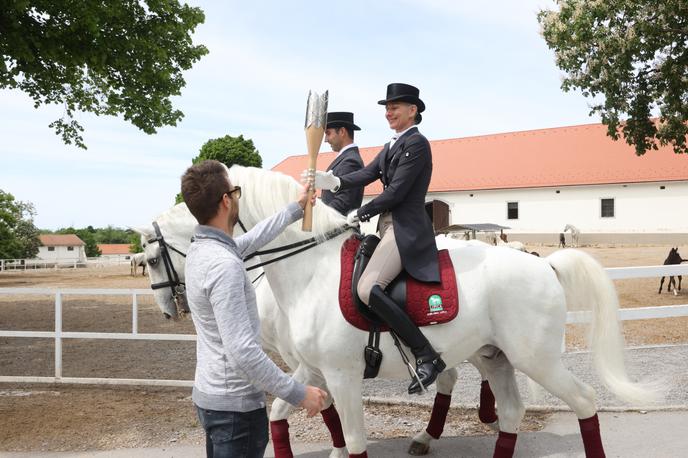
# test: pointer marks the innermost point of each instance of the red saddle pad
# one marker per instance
(427, 303)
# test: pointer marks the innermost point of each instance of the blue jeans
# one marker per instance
(234, 434)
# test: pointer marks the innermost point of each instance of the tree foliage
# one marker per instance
(18, 234)
(631, 58)
(228, 150)
(119, 57)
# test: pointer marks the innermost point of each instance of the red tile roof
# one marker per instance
(114, 248)
(60, 240)
(562, 156)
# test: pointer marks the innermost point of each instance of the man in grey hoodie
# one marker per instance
(232, 370)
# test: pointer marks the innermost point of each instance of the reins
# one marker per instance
(304, 244)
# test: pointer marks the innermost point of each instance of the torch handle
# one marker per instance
(307, 224)
(314, 136)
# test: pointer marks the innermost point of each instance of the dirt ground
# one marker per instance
(95, 418)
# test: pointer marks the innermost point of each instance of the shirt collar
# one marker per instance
(209, 232)
(398, 135)
(350, 145)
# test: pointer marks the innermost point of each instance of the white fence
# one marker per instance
(617, 273)
(35, 264)
(10, 265)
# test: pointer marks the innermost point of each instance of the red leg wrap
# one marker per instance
(331, 419)
(486, 412)
(279, 430)
(506, 443)
(439, 415)
(358, 455)
(592, 441)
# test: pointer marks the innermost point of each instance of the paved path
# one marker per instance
(658, 434)
(661, 432)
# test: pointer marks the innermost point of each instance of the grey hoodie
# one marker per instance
(232, 370)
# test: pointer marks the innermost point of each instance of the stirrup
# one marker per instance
(414, 375)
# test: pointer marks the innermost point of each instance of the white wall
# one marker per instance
(61, 253)
(638, 208)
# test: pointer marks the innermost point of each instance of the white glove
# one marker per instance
(323, 180)
(352, 218)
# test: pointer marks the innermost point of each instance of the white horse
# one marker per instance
(177, 224)
(516, 245)
(138, 260)
(575, 234)
(508, 300)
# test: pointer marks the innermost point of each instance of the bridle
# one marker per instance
(177, 286)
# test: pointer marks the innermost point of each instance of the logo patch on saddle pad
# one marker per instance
(435, 303)
(427, 303)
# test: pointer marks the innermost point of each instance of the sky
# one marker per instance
(481, 67)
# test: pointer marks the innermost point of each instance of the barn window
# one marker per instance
(70, 248)
(607, 209)
(512, 210)
(51, 248)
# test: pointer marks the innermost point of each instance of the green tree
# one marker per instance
(228, 150)
(135, 241)
(91, 249)
(18, 234)
(119, 57)
(631, 58)
(88, 236)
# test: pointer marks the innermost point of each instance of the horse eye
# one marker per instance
(153, 261)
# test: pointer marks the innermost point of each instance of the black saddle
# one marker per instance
(396, 290)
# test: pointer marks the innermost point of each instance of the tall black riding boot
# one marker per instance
(428, 361)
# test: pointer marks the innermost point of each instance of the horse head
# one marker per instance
(164, 251)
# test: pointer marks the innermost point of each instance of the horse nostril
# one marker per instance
(167, 316)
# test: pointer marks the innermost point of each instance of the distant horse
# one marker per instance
(491, 237)
(575, 233)
(673, 258)
(516, 245)
(562, 240)
(138, 260)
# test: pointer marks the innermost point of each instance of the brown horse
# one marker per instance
(673, 258)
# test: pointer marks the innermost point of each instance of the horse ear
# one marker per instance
(145, 231)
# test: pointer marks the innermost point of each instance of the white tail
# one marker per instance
(587, 286)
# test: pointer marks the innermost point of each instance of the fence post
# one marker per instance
(58, 336)
(134, 315)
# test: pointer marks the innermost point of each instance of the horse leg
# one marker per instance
(511, 408)
(679, 282)
(280, 410)
(580, 396)
(671, 285)
(486, 409)
(346, 389)
(661, 283)
(420, 445)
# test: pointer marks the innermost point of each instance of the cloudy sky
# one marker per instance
(482, 68)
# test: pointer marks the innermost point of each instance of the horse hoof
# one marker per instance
(418, 449)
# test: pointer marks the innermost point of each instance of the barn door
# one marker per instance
(438, 212)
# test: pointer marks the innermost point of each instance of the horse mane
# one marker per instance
(265, 192)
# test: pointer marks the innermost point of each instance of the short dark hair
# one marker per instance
(349, 130)
(203, 184)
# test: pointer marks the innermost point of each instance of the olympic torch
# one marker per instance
(316, 118)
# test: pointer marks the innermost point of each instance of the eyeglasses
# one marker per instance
(236, 189)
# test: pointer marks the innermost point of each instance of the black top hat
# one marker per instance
(400, 92)
(338, 119)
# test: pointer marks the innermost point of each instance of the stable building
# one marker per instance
(536, 182)
(61, 248)
(115, 251)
